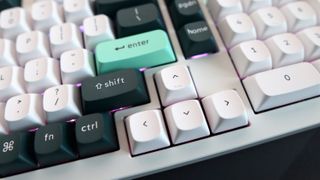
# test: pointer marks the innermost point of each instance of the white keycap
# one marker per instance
(281, 2)
(221, 8)
(311, 40)
(41, 74)
(269, 21)
(316, 5)
(62, 103)
(64, 37)
(7, 53)
(251, 57)
(77, 10)
(237, 28)
(76, 66)
(32, 45)
(316, 64)
(146, 131)
(175, 84)
(252, 5)
(3, 123)
(24, 111)
(225, 111)
(14, 21)
(97, 29)
(282, 86)
(45, 14)
(186, 121)
(299, 15)
(285, 49)
(11, 82)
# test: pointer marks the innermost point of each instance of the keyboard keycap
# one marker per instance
(251, 57)
(110, 7)
(3, 124)
(285, 49)
(41, 74)
(269, 21)
(96, 134)
(143, 50)
(14, 21)
(225, 111)
(64, 37)
(32, 45)
(97, 29)
(310, 38)
(6, 4)
(146, 131)
(299, 15)
(196, 38)
(54, 144)
(77, 10)
(16, 153)
(185, 11)
(11, 82)
(7, 53)
(252, 5)
(114, 90)
(76, 66)
(282, 86)
(222, 8)
(46, 14)
(24, 112)
(237, 28)
(138, 19)
(62, 103)
(175, 84)
(186, 121)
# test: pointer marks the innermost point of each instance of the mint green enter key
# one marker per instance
(139, 51)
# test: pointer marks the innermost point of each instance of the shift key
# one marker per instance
(143, 50)
(113, 91)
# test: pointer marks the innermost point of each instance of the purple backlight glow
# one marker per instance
(199, 56)
(119, 109)
(143, 69)
(71, 121)
(33, 130)
(78, 85)
(81, 28)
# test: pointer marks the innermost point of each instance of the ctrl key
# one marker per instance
(16, 153)
(96, 134)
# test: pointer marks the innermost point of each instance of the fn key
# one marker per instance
(196, 39)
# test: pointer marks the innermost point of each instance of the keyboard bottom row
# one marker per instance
(95, 134)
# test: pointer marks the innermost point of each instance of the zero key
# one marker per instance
(96, 134)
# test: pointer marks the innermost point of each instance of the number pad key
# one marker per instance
(237, 28)
(62, 103)
(225, 111)
(186, 121)
(24, 112)
(311, 40)
(269, 21)
(285, 49)
(16, 153)
(251, 57)
(282, 86)
(299, 15)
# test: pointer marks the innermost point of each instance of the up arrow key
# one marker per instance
(175, 76)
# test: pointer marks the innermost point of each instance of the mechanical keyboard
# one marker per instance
(119, 89)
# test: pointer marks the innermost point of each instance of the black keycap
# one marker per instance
(96, 134)
(110, 7)
(5, 4)
(196, 39)
(185, 11)
(138, 19)
(114, 90)
(54, 144)
(16, 153)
